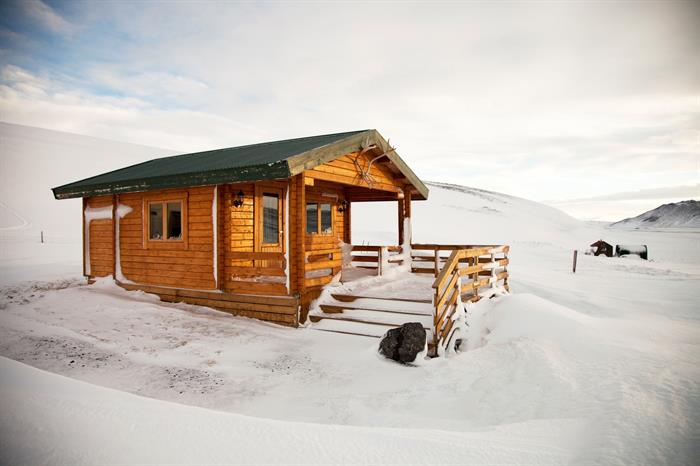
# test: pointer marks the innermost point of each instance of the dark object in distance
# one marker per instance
(601, 247)
(627, 249)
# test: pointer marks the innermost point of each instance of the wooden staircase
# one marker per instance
(371, 316)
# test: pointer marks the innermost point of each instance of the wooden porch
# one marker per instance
(451, 275)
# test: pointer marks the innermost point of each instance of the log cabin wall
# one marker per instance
(249, 265)
(323, 255)
(333, 182)
(99, 251)
(187, 263)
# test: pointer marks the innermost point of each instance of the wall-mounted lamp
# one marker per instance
(239, 199)
(342, 206)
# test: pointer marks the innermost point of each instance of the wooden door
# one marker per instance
(269, 222)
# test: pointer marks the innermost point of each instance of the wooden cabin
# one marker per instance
(253, 230)
(602, 248)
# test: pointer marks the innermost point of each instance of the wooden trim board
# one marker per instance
(281, 310)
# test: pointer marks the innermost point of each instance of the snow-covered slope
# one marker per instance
(34, 160)
(456, 214)
(685, 214)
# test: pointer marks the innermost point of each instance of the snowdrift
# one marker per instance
(50, 419)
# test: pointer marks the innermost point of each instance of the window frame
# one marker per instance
(164, 243)
(276, 195)
(319, 226)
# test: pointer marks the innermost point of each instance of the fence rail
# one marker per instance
(463, 276)
(373, 257)
(463, 272)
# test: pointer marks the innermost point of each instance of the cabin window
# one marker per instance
(156, 221)
(270, 218)
(326, 218)
(165, 221)
(319, 218)
(312, 218)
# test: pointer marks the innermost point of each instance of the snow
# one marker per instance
(88, 424)
(597, 367)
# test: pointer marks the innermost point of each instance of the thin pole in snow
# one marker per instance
(575, 256)
(42, 236)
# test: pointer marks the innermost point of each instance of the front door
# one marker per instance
(269, 222)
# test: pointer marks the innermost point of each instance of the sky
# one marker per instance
(552, 101)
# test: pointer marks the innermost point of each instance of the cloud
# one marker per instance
(161, 85)
(545, 101)
(47, 16)
(669, 192)
(34, 101)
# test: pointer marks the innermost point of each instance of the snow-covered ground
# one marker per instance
(600, 367)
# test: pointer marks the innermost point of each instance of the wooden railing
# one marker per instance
(372, 257)
(463, 277)
(321, 265)
(255, 273)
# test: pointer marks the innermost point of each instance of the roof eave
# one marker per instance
(278, 170)
(324, 154)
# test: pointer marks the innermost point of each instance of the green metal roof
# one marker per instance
(255, 162)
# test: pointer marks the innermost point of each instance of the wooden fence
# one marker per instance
(468, 274)
(462, 273)
(255, 273)
(373, 257)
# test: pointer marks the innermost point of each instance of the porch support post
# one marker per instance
(404, 206)
(402, 213)
(347, 233)
(407, 213)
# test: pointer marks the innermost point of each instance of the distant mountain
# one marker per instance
(684, 214)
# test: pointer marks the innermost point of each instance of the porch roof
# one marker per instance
(255, 162)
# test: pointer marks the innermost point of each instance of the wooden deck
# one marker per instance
(462, 273)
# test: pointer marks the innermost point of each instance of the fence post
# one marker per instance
(435, 317)
(575, 257)
(436, 259)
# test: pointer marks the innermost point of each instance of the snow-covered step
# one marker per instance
(375, 317)
(400, 307)
(350, 298)
(352, 328)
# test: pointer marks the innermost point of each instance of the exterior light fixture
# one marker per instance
(239, 199)
(342, 206)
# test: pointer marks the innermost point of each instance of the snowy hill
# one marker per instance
(34, 160)
(684, 214)
(456, 214)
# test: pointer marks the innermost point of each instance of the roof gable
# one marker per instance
(255, 162)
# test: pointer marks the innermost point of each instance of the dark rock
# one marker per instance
(403, 344)
(389, 346)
